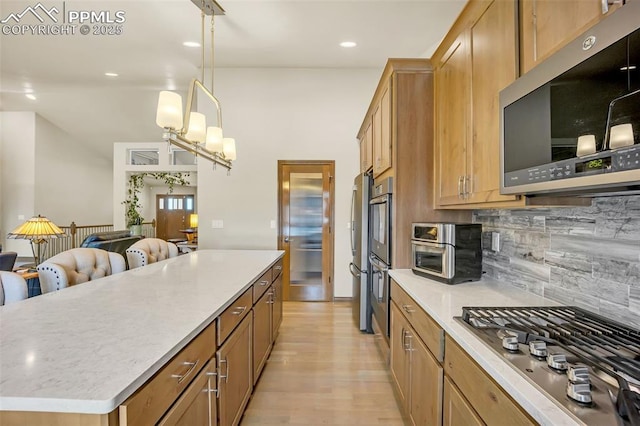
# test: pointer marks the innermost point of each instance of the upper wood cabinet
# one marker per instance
(366, 149)
(478, 63)
(382, 133)
(547, 25)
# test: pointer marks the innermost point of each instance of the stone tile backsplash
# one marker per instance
(584, 256)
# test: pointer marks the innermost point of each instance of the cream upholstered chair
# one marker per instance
(12, 287)
(150, 250)
(77, 266)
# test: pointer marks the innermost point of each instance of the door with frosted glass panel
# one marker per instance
(306, 229)
(172, 215)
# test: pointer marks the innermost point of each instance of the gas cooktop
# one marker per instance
(588, 364)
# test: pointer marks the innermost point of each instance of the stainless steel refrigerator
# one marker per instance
(359, 266)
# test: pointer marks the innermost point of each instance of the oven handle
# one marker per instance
(379, 265)
(359, 271)
(432, 245)
(380, 199)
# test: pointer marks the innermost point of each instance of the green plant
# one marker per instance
(135, 185)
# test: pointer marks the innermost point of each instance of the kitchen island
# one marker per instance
(88, 348)
(443, 302)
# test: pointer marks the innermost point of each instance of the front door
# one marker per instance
(172, 215)
(305, 210)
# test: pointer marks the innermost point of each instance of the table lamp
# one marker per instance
(193, 224)
(38, 230)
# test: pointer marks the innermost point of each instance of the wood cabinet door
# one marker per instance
(197, 405)
(399, 354)
(453, 97)
(377, 139)
(457, 411)
(493, 67)
(425, 377)
(276, 306)
(235, 365)
(262, 333)
(547, 25)
(385, 127)
(368, 141)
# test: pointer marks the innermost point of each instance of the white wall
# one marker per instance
(283, 114)
(17, 175)
(45, 171)
(72, 182)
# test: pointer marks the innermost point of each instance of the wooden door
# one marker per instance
(457, 411)
(453, 95)
(548, 25)
(493, 67)
(235, 382)
(305, 211)
(399, 360)
(425, 384)
(172, 215)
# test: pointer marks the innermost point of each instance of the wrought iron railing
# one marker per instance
(75, 235)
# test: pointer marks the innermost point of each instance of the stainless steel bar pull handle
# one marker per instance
(407, 309)
(460, 194)
(211, 374)
(264, 282)
(226, 370)
(182, 377)
(278, 268)
(239, 310)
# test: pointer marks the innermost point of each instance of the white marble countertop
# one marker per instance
(86, 348)
(444, 302)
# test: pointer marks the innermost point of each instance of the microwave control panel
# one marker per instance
(603, 162)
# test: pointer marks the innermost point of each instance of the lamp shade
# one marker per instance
(197, 131)
(36, 229)
(193, 220)
(621, 135)
(169, 113)
(229, 148)
(586, 145)
(214, 139)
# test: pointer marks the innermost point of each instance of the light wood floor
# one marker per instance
(323, 371)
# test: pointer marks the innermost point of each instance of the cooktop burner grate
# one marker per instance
(597, 339)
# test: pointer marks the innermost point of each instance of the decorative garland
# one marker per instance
(136, 183)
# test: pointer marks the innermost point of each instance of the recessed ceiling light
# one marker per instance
(348, 44)
(111, 74)
(31, 96)
(191, 44)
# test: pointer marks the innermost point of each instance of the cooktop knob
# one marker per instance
(557, 361)
(510, 343)
(580, 392)
(578, 374)
(538, 348)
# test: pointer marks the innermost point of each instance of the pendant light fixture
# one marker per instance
(189, 130)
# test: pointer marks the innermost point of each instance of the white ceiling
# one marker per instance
(66, 73)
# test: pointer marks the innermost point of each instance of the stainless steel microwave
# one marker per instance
(572, 123)
(447, 252)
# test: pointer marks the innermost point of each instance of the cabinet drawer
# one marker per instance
(485, 396)
(428, 330)
(232, 316)
(155, 397)
(276, 270)
(261, 285)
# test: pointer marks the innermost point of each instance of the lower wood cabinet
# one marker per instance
(483, 395)
(197, 405)
(276, 299)
(262, 333)
(457, 411)
(235, 372)
(417, 374)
